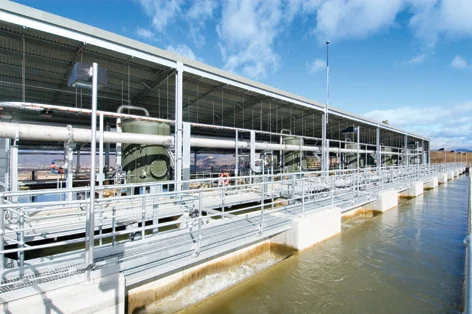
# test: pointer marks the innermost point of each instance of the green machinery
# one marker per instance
(292, 158)
(146, 163)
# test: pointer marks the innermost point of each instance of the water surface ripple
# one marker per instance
(407, 260)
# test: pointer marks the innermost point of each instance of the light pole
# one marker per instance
(327, 80)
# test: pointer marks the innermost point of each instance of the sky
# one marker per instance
(405, 61)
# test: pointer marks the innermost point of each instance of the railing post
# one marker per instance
(303, 196)
(468, 256)
(21, 241)
(2, 235)
(200, 222)
(261, 230)
(143, 214)
(332, 191)
(100, 224)
(113, 225)
(223, 198)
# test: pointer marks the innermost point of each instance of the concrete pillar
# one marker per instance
(443, 178)
(450, 175)
(308, 230)
(385, 201)
(431, 184)
(415, 190)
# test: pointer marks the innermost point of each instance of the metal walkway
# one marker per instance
(202, 237)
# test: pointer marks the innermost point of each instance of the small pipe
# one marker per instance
(120, 109)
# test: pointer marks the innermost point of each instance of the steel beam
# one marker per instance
(178, 124)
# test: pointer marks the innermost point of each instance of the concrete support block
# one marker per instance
(431, 184)
(450, 175)
(415, 190)
(105, 295)
(442, 178)
(309, 230)
(456, 173)
(385, 201)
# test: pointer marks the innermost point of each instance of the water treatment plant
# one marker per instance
(126, 212)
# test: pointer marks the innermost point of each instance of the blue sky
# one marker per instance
(408, 61)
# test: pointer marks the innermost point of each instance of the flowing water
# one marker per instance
(407, 260)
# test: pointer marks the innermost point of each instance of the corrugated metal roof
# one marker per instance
(49, 59)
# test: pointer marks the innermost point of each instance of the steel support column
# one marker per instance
(69, 158)
(178, 125)
(107, 147)
(358, 131)
(378, 149)
(14, 168)
(405, 148)
(236, 156)
(186, 154)
(89, 244)
(100, 154)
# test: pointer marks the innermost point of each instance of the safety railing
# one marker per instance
(124, 217)
(468, 255)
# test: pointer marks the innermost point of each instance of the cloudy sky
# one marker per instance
(408, 61)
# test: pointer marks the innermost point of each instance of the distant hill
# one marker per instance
(464, 150)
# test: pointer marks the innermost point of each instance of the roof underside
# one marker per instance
(38, 64)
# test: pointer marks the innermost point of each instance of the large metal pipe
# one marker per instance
(36, 132)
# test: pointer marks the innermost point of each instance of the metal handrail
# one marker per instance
(468, 256)
(304, 189)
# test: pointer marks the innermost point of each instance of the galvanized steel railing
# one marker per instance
(25, 218)
(468, 255)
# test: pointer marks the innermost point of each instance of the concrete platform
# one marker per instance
(386, 200)
(415, 190)
(104, 295)
(309, 230)
(434, 182)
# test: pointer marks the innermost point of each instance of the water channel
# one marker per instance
(407, 260)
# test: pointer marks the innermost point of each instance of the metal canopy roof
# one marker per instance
(144, 75)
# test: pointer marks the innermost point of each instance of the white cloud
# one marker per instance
(447, 126)
(316, 65)
(435, 18)
(145, 33)
(247, 31)
(198, 14)
(184, 51)
(355, 19)
(418, 59)
(161, 12)
(459, 63)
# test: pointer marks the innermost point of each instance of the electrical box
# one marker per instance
(81, 76)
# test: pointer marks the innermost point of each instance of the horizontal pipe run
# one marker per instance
(35, 132)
